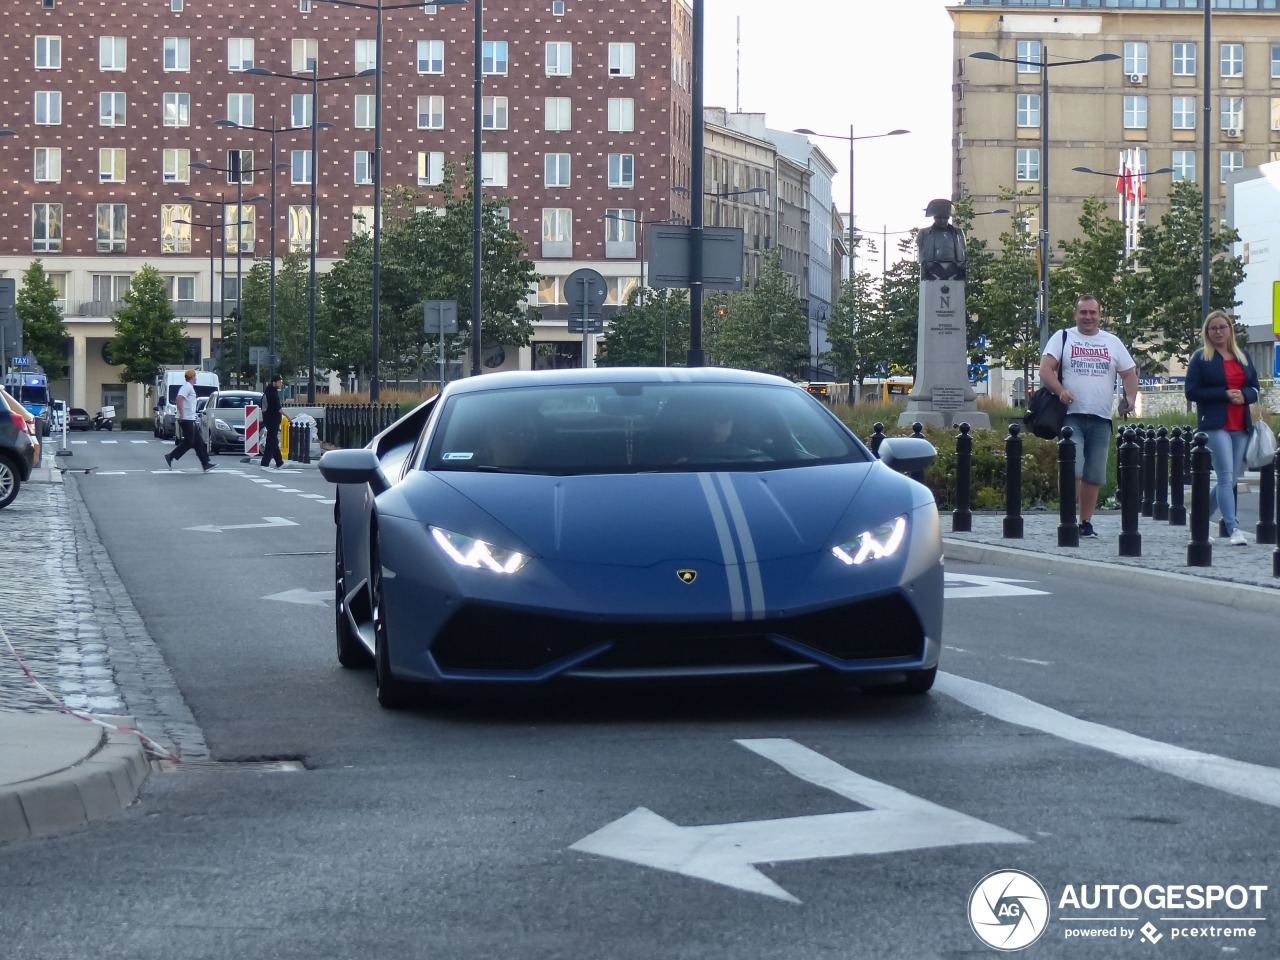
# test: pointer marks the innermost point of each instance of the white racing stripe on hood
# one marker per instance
(727, 551)
(755, 587)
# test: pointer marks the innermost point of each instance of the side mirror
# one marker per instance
(357, 467)
(907, 454)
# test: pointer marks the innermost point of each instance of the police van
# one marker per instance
(32, 391)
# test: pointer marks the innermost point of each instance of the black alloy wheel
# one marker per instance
(352, 654)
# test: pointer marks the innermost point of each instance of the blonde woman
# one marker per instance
(1222, 382)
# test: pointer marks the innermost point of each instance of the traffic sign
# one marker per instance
(19, 361)
(721, 257)
(440, 316)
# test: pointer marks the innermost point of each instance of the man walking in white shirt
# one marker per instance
(189, 436)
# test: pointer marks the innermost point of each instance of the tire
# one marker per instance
(10, 482)
(352, 654)
(110, 426)
(393, 694)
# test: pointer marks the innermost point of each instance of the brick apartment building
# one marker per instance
(587, 112)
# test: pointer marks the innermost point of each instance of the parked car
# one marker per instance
(18, 447)
(78, 419)
(221, 423)
(603, 525)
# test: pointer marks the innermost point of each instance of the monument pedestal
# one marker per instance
(942, 396)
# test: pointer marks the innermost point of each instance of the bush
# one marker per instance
(136, 423)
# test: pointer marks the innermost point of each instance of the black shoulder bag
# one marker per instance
(1045, 412)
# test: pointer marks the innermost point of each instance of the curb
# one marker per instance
(1241, 596)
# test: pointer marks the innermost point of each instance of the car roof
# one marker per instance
(511, 379)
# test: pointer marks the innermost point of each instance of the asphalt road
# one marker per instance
(469, 828)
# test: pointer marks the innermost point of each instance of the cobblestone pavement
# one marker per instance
(74, 626)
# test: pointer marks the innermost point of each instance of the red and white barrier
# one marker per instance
(252, 431)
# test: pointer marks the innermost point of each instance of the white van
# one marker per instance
(167, 386)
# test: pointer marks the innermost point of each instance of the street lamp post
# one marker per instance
(1043, 65)
(222, 300)
(211, 224)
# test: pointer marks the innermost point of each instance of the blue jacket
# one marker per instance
(1206, 386)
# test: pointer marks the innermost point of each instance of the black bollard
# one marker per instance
(877, 438)
(1177, 479)
(1275, 554)
(1149, 472)
(1160, 509)
(1266, 528)
(962, 515)
(1068, 529)
(1200, 549)
(1120, 443)
(1013, 483)
(917, 431)
(1130, 475)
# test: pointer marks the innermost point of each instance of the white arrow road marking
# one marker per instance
(969, 586)
(726, 853)
(1249, 780)
(313, 496)
(316, 598)
(271, 522)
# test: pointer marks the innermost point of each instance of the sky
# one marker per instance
(875, 65)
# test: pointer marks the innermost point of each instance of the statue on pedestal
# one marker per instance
(942, 255)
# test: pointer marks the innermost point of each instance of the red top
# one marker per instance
(1235, 381)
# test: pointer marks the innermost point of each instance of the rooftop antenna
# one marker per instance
(737, 72)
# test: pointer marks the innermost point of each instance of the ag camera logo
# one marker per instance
(1008, 910)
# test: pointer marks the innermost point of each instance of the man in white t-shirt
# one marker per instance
(188, 436)
(1086, 383)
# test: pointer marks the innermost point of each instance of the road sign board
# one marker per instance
(19, 361)
(593, 324)
(440, 316)
(721, 257)
(257, 355)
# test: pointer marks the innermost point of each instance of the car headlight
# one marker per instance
(881, 541)
(470, 552)
(222, 425)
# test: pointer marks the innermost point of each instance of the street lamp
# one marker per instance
(313, 228)
(1043, 65)
(238, 173)
(222, 218)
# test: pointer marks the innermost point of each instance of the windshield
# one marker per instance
(33, 395)
(239, 401)
(635, 428)
(201, 391)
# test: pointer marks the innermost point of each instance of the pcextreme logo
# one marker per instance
(1008, 910)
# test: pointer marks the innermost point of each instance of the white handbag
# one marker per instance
(1262, 446)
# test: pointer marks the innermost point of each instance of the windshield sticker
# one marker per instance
(459, 456)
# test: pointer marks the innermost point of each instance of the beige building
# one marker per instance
(1149, 99)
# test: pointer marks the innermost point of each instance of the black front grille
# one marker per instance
(493, 639)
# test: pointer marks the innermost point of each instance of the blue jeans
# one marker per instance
(1227, 450)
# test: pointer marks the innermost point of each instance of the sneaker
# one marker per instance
(168, 460)
(208, 467)
(1086, 530)
(1238, 539)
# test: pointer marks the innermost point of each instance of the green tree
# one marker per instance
(1166, 297)
(292, 314)
(42, 331)
(887, 338)
(765, 328)
(856, 312)
(147, 336)
(1095, 263)
(647, 327)
(1007, 299)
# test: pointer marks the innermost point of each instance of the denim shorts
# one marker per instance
(1092, 436)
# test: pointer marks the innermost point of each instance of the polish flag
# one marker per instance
(1140, 190)
(1124, 179)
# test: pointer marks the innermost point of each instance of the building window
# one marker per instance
(48, 165)
(304, 6)
(48, 53)
(557, 8)
(111, 165)
(622, 114)
(494, 113)
(1231, 59)
(559, 58)
(620, 225)
(1230, 162)
(239, 162)
(556, 170)
(230, 289)
(180, 287)
(177, 54)
(431, 113)
(364, 166)
(622, 59)
(361, 221)
(306, 54)
(175, 237)
(1275, 62)
(299, 228)
(239, 54)
(558, 114)
(430, 169)
(493, 169)
(557, 226)
(48, 108)
(111, 109)
(364, 111)
(240, 108)
(300, 110)
(109, 287)
(238, 220)
(431, 56)
(111, 53)
(177, 165)
(1184, 165)
(1184, 113)
(494, 57)
(1028, 51)
(112, 223)
(176, 6)
(46, 228)
(1135, 59)
(1275, 113)
(300, 166)
(622, 170)
(177, 109)
(1028, 109)
(1135, 113)
(1184, 59)
(548, 287)
(1027, 164)
(1232, 117)
(365, 56)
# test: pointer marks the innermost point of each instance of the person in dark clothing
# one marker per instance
(271, 412)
